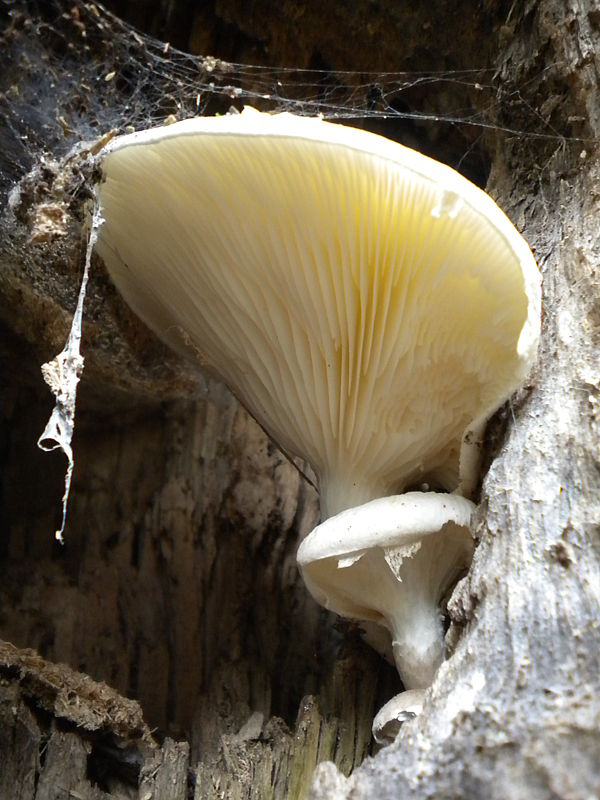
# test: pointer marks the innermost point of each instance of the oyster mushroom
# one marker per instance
(390, 561)
(369, 306)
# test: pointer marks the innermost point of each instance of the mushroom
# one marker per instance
(369, 306)
(390, 717)
(390, 561)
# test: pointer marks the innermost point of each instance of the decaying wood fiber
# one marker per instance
(178, 585)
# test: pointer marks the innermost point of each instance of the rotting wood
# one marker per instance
(516, 710)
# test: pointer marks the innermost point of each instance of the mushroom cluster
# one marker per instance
(369, 306)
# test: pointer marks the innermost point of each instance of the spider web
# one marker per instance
(103, 74)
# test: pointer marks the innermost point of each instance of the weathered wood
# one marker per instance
(65, 735)
(64, 772)
(166, 775)
(178, 583)
(20, 742)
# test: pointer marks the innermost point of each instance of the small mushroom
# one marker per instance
(390, 717)
(369, 306)
(390, 561)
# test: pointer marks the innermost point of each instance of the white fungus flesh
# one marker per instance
(390, 561)
(369, 306)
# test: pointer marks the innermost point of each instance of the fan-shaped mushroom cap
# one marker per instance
(390, 561)
(368, 305)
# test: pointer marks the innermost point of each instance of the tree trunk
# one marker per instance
(177, 585)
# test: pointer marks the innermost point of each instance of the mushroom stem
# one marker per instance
(337, 494)
(417, 633)
(390, 561)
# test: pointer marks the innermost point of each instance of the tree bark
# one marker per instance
(177, 585)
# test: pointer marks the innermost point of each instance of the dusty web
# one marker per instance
(109, 75)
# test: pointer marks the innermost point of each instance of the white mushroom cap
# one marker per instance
(391, 561)
(400, 709)
(369, 306)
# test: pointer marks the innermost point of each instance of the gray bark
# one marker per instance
(177, 585)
